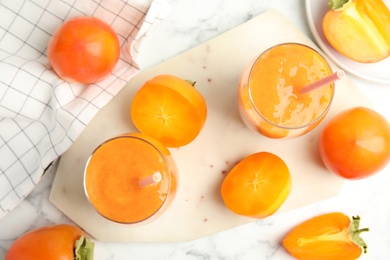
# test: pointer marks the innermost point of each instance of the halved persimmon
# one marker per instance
(257, 186)
(358, 29)
(329, 236)
(170, 110)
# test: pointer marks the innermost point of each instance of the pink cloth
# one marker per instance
(40, 114)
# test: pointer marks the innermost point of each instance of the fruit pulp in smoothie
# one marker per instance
(268, 95)
(113, 174)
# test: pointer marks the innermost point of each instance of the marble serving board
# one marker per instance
(198, 209)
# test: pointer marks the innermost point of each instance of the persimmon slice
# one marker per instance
(327, 237)
(360, 30)
(169, 109)
(257, 186)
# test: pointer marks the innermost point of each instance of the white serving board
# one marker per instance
(198, 209)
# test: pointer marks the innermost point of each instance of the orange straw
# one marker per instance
(152, 179)
(323, 82)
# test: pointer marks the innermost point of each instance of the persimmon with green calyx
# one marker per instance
(331, 236)
(169, 109)
(355, 143)
(257, 186)
(57, 242)
(358, 29)
(84, 49)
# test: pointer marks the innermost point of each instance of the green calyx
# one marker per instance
(84, 249)
(192, 83)
(355, 233)
(337, 5)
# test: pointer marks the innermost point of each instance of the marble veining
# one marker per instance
(188, 24)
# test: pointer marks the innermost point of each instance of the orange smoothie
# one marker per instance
(269, 98)
(115, 174)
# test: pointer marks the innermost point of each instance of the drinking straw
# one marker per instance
(151, 179)
(323, 82)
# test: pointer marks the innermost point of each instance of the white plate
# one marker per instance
(378, 72)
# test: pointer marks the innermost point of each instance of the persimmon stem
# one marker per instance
(192, 83)
(84, 249)
(355, 233)
(338, 4)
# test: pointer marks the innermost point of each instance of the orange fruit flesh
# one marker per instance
(257, 186)
(112, 180)
(170, 110)
(272, 100)
(185, 89)
(335, 244)
(379, 13)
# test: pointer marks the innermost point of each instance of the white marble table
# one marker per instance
(189, 24)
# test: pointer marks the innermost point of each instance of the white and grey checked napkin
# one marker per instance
(40, 114)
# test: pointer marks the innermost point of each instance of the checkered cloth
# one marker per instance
(40, 114)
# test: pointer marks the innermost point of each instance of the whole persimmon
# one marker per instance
(257, 186)
(84, 49)
(355, 143)
(169, 109)
(61, 241)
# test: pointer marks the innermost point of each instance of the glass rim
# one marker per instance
(169, 175)
(312, 122)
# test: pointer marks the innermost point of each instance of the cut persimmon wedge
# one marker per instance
(327, 237)
(359, 29)
(257, 186)
(170, 110)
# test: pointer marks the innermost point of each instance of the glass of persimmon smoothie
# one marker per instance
(130, 179)
(269, 98)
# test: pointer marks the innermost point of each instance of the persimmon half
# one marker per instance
(358, 29)
(355, 143)
(328, 236)
(84, 49)
(257, 186)
(169, 109)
